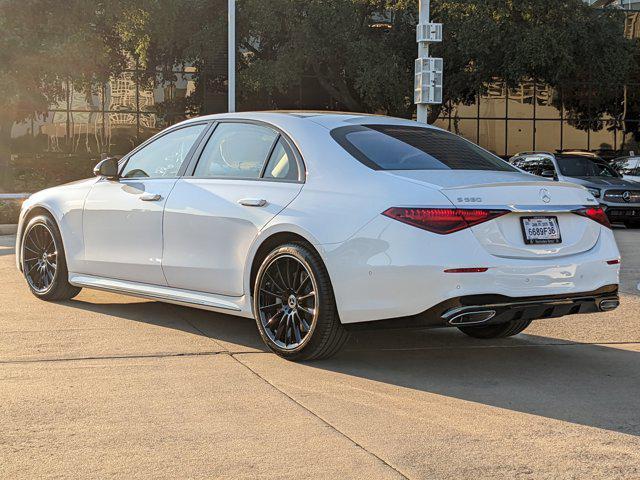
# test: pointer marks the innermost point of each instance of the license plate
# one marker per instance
(540, 230)
(623, 213)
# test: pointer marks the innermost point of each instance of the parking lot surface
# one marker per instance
(112, 386)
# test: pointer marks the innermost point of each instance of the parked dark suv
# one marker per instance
(619, 197)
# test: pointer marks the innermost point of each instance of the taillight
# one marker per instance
(442, 220)
(597, 214)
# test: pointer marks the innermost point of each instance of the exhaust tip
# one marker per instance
(609, 304)
(472, 318)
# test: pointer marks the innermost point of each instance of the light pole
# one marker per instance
(428, 76)
(232, 56)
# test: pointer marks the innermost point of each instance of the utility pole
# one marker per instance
(428, 76)
(232, 56)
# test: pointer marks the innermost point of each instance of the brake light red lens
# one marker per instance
(597, 214)
(442, 220)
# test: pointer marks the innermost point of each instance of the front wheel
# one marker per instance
(43, 261)
(501, 330)
(294, 306)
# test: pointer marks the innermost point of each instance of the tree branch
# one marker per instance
(339, 92)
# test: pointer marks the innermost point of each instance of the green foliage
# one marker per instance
(9, 211)
(370, 69)
(29, 173)
(360, 52)
(46, 43)
(568, 45)
(364, 66)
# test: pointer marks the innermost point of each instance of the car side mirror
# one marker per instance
(548, 174)
(107, 168)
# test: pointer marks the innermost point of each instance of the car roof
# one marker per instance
(327, 119)
(561, 155)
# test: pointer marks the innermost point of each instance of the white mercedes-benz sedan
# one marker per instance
(315, 224)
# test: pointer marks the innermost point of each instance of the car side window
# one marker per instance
(627, 166)
(282, 164)
(163, 157)
(535, 166)
(236, 150)
(547, 165)
(525, 164)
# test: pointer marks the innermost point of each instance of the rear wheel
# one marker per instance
(43, 261)
(500, 330)
(294, 305)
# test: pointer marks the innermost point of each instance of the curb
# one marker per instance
(8, 229)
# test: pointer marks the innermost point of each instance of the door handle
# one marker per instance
(150, 197)
(253, 202)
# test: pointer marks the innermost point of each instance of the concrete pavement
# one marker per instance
(111, 386)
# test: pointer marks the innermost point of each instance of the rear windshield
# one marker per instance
(398, 147)
(583, 167)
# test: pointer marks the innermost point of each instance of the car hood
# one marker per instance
(599, 182)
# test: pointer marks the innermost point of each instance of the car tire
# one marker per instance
(501, 330)
(283, 299)
(44, 264)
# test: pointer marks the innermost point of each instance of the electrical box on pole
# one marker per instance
(428, 70)
(428, 81)
(429, 32)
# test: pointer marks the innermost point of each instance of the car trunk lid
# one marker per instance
(526, 196)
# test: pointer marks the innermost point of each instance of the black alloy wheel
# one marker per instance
(294, 305)
(43, 261)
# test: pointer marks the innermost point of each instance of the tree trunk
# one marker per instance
(339, 92)
(5, 153)
(434, 113)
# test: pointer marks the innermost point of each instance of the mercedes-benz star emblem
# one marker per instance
(626, 196)
(545, 195)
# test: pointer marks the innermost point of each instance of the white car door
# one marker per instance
(244, 176)
(122, 220)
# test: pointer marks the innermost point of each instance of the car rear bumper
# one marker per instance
(475, 310)
(391, 270)
(621, 213)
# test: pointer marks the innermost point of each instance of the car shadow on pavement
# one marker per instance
(235, 331)
(585, 384)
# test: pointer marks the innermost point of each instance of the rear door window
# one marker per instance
(400, 147)
(282, 164)
(236, 150)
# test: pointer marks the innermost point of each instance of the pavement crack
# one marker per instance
(485, 347)
(323, 420)
(114, 357)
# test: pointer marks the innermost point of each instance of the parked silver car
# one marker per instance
(618, 196)
(628, 167)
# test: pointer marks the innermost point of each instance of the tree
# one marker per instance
(45, 46)
(371, 69)
(572, 47)
(361, 52)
